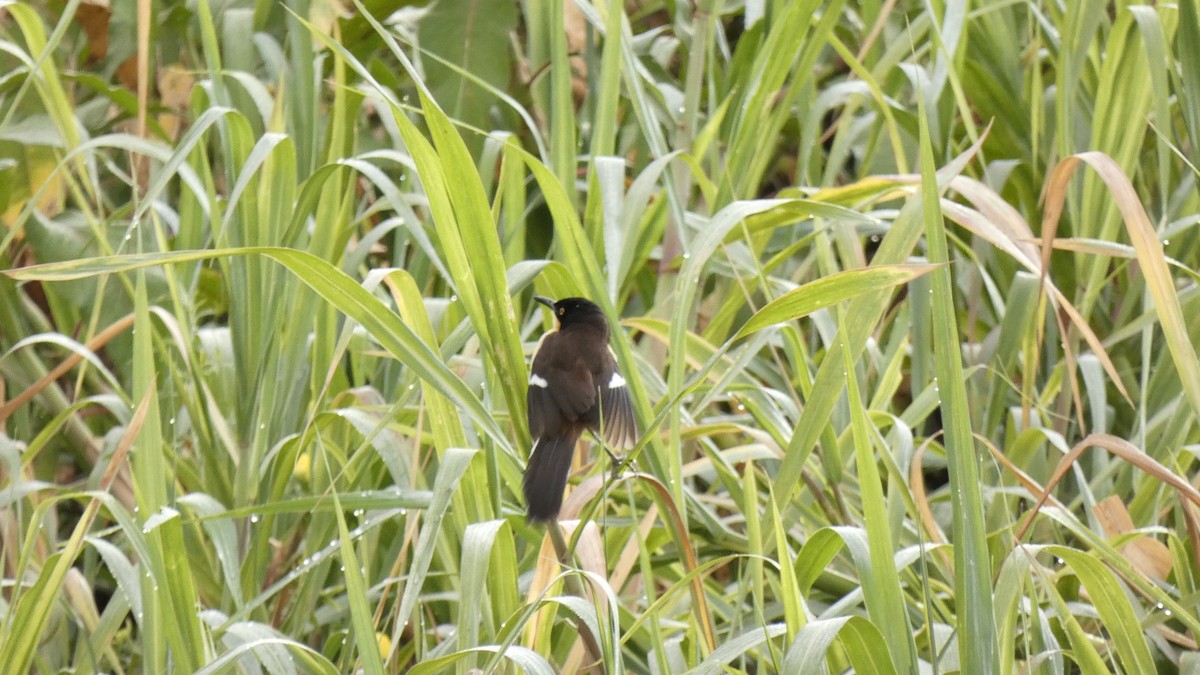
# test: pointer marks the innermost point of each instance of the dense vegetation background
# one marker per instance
(908, 292)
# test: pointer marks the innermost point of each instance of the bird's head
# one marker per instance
(573, 311)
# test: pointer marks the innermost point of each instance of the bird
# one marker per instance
(574, 385)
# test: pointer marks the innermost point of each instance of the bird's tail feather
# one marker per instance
(546, 475)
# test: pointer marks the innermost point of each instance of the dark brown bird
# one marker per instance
(574, 385)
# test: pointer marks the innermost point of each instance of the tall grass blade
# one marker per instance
(972, 563)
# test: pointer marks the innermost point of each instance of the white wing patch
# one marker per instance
(617, 381)
(539, 381)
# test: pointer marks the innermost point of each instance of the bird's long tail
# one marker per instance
(546, 475)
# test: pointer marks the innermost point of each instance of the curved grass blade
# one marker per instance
(858, 636)
(829, 291)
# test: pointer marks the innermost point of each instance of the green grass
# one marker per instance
(908, 298)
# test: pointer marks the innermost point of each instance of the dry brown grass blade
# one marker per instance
(579, 497)
(1150, 256)
(916, 482)
(544, 572)
(117, 463)
(123, 487)
(411, 530)
(145, 14)
(588, 490)
(589, 551)
(1121, 448)
(1003, 227)
(1012, 232)
(57, 575)
(102, 338)
(1069, 357)
(552, 555)
(1023, 478)
(1191, 516)
(1177, 638)
(1146, 554)
(629, 555)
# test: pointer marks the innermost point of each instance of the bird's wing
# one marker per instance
(616, 408)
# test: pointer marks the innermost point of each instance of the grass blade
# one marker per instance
(972, 564)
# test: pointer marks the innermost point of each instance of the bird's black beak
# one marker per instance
(545, 301)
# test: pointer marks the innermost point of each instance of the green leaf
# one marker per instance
(829, 291)
(880, 581)
(858, 636)
(361, 621)
(1109, 598)
(972, 563)
(470, 37)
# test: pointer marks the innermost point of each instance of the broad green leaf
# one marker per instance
(858, 636)
(1108, 597)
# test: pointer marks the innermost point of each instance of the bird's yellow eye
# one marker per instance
(561, 311)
